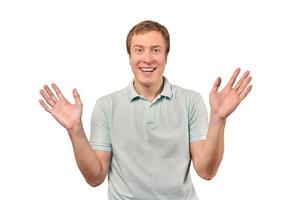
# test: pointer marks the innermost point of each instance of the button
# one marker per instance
(150, 114)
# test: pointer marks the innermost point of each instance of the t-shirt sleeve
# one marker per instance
(100, 136)
(198, 119)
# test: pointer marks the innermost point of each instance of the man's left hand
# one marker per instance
(224, 102)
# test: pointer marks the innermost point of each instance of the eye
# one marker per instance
(156, 50)
(138, 50)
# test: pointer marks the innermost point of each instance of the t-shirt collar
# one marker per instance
(167, 90)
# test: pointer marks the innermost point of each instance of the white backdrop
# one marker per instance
(82, 44)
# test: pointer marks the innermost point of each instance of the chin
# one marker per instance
(146, 82)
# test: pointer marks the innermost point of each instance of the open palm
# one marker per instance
(224, 102)
(67, 114)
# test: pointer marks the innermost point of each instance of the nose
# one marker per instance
(147, 57)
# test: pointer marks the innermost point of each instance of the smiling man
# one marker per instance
(148, 56)
(146, 135)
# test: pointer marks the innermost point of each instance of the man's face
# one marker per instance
(148, 58)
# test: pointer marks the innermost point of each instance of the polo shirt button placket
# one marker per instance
(150, 114)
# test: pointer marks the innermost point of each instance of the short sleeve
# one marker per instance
(198, 119)
(100, 136)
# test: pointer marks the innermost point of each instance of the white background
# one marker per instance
(82, 44)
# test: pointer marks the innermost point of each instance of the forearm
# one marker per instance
(86, 159)
(212, 153)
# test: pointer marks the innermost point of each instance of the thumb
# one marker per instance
(76, 96)
(216, 85)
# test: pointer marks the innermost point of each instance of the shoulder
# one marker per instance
(187, 94)
(190, 98)
(112, 97)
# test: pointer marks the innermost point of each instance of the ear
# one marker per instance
(129, 60)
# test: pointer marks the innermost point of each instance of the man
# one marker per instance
(146, 134)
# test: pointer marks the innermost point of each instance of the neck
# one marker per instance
(151, 91)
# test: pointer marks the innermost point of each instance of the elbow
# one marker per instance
(95, 182)
(207, 177)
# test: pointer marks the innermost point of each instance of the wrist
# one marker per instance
(75, 129)
(215, 118)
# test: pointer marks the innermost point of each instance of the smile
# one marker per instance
(147, 69)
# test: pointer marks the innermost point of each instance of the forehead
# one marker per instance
(150, 38)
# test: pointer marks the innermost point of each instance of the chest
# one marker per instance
(141, 128)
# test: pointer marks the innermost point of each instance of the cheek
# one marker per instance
(134, 61)
(162, 61)
(134, 65)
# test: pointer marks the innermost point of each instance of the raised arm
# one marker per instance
(93, 165)
(207, 154)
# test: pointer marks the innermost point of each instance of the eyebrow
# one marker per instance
(155, 46)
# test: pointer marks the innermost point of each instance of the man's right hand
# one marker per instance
(94, 165)
(67, 114)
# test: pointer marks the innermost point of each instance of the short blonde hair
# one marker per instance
(146, 26)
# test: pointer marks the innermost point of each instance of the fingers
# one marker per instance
(244, 85)
(44, 105)
(76, 96)
(50, 93)
(241, 81)
(216, 85)
(49, 97)
(233, 77)
(57, 91)
(46, 97)
(246, 92)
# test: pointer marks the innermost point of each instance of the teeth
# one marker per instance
(148, 69)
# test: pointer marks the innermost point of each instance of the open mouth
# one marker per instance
(147, 69)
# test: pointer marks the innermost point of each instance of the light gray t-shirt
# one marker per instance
(149, 141)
